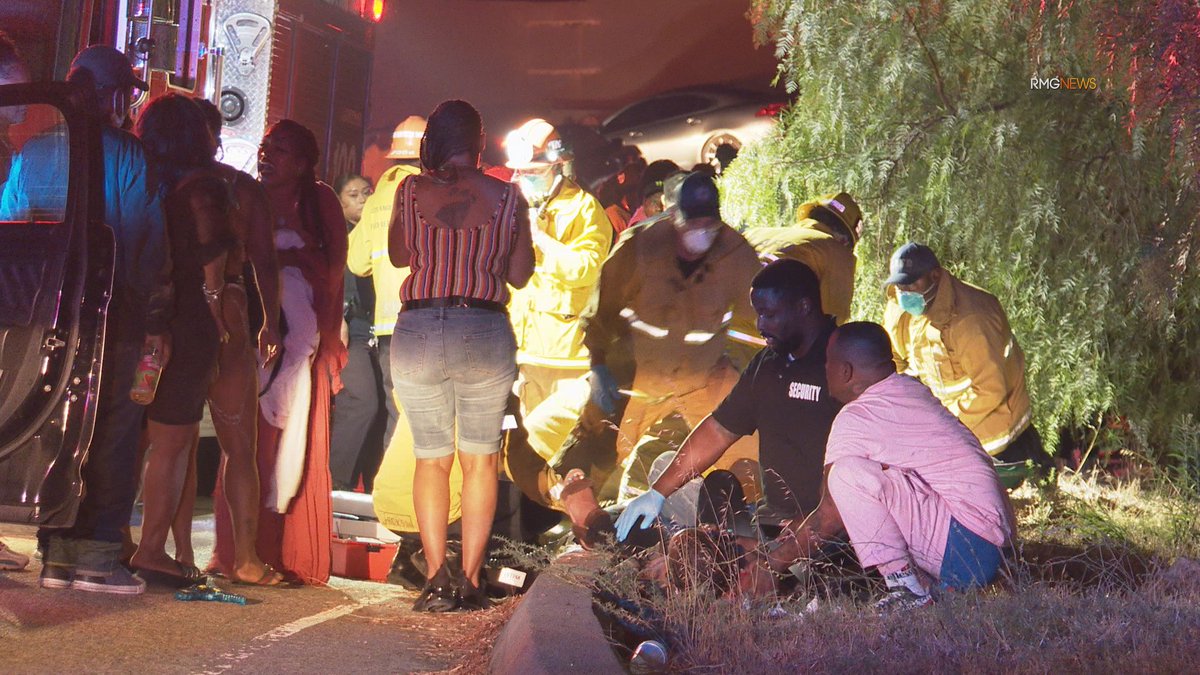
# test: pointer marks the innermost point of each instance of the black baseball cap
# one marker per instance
(698, 197)
(911, 262)
(109, 68)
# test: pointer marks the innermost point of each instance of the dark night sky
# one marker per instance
(555, 59)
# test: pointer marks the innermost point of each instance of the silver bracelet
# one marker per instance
(209, 294)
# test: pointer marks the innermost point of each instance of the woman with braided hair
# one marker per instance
(466, 238)
(294, 405)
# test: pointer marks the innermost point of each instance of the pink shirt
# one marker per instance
(899, 422)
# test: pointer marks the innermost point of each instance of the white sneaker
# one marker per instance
(902, 600)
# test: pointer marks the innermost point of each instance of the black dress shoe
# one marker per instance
(440, 593)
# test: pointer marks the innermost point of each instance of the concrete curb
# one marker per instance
(554, 630)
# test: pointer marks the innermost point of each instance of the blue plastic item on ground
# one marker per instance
(209, 593)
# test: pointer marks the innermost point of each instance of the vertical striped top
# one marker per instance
(471, 261)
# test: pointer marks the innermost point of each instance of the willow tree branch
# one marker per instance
(937, 72)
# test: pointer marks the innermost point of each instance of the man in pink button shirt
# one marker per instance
(909, 484)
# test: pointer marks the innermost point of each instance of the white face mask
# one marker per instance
(697, 242)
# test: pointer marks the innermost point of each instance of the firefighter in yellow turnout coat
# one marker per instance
(669, 291)
(823, 238)
(956, 339)
(571, 238)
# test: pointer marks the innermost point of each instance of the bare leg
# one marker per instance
(166, 472)
(480, 485)
(128, 548)
(431, 501)
(181, 529)
(233, 402)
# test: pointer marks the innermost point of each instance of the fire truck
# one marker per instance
(260, 61)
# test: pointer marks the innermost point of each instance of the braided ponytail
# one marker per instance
(454, 127)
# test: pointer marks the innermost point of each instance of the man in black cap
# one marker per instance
(87, 555)
(955, 338)
(666, 296)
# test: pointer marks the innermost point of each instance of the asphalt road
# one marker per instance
(348, 626)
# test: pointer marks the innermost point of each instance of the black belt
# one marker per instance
(454, 301)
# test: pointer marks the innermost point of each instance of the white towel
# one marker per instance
(285, 404)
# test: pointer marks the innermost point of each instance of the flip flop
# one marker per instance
(160, 578)
(268, 573)
(190, 571)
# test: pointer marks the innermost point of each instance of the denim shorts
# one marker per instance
(453, 367)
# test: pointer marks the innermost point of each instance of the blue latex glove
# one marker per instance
(645, 508)
(604, 389)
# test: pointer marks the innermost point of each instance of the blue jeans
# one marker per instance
(970, 561)
(453, 368)
(110, 474)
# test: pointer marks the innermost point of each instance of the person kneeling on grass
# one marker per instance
(909, 484)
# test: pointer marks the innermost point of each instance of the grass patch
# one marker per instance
(1106, 580)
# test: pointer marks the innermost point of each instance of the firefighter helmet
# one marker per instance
(841, 206)
(533, 145)
(406, 139)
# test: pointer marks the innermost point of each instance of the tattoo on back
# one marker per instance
(458, 204)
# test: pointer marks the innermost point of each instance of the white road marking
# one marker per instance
(258, 643)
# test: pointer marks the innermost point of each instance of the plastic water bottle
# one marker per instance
(649, 657)
(145, 378)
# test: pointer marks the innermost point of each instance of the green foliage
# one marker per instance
(1084, 229)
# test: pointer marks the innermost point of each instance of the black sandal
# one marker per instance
(472, 598)
(440, 594)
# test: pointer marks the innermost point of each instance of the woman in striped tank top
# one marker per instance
(466, 238)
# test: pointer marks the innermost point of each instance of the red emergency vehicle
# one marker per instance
(260, 61)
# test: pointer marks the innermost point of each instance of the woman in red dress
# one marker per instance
(295, 523)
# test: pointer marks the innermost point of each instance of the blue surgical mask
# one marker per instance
(913, 303)
(916, 303)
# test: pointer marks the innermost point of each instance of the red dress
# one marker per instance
(298, 542)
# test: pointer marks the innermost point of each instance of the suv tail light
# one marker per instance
(770, 110)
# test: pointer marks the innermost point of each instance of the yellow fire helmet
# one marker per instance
(406, 139)
(533, 145)
(841, 206)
